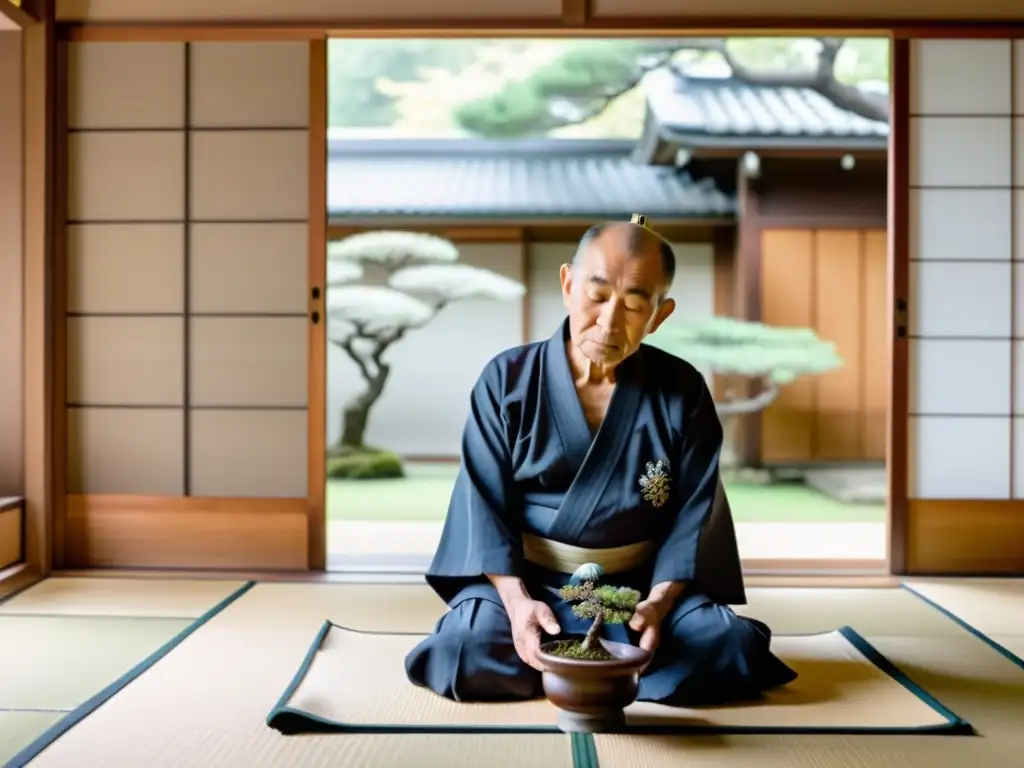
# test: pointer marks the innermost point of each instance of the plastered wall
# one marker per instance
(187, 260)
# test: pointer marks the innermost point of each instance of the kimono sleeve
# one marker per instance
(697, 480)
(481, 531)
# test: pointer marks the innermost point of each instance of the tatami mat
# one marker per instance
(964, 673)
(206, 702)
(51, 662)
(18, 729)
(78, 596)
(356, 680)
(992, 606)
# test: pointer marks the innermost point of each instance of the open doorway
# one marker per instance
(762, 160)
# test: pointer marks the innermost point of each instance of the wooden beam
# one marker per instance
(23, 14)
(317, 339)
(525, 259)
(899, 277)
(58, 307)
(575, 13)
(679, 25)
(41, 471)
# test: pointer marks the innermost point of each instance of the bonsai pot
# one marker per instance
(591, 695)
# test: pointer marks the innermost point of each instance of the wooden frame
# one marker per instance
(43, 405)
(45, 430)
(316, 407)
(896, 458)
(569, 25)
(23, 14)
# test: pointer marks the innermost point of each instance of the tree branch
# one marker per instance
(563, 106)
(821, 79)
(741, 407)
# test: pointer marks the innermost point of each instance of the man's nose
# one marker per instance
(610, 317)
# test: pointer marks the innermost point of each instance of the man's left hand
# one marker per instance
(650, 613)
(647, 620)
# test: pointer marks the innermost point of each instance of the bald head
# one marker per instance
(631, 241)
(615, 290)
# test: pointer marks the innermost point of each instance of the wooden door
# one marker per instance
(833, 281)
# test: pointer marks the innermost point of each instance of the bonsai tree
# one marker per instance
(767, 357)
(602, 605)
(420, 279)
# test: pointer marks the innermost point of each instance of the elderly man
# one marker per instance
(592, 447)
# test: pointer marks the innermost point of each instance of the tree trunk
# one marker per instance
(594, 633)
(355, 416)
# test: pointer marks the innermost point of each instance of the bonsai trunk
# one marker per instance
(356, 414)
(594, 633)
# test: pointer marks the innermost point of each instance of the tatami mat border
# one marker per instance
(288, 721)
(83, 710)
(1001, 649)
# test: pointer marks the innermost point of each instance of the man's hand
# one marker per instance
(528, 618)
(650, 613)
(647, 620)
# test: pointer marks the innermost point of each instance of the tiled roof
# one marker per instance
(494, 179)
(727, 112)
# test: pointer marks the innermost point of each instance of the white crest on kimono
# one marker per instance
(655, 483)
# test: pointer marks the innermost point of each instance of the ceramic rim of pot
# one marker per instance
(563, 665)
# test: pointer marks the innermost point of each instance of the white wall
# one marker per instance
(426, 399)
(966, 297)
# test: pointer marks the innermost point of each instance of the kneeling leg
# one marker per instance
(470, 657)
(708, 655)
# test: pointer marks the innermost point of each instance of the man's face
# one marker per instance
(612, 296)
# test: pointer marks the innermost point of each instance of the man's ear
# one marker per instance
(666, 308)
(565, 276)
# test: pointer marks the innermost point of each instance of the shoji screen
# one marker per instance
(966, 302)
(186, 316)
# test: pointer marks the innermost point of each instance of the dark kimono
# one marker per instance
(530, 465)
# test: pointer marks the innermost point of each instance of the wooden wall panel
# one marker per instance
(787, 299)
(839, 317)
(835, 282)
(179, 532)
(965, 536)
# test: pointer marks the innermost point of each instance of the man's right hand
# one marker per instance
(528, 618)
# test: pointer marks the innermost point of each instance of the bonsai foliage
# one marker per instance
(767, 357)
(416, 277)
(770, 356)
(602, 605)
